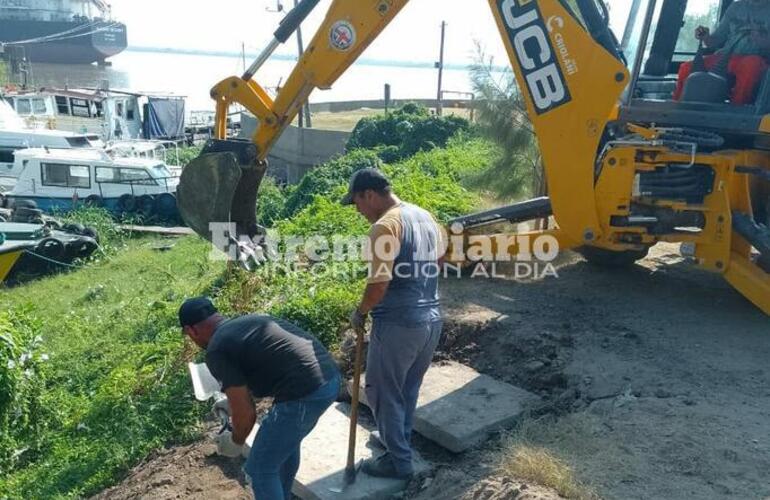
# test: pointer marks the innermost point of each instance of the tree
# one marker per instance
(4, 73)
(502, 118)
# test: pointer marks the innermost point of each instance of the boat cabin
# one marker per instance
(60, 179)
(111, 114)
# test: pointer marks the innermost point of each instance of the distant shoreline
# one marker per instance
(284, 57)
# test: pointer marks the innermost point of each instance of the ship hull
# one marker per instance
(85, 43)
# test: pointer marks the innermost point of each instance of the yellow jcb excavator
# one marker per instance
(627, 167)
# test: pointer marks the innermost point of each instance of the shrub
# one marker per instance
(22, 381)
(324, 216)
(321, 309)
(323, 179)
(404, 132)
(111, 236)
(271, 202)
(182, 156)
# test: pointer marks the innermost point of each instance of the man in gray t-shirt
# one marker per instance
(261, 356)
(405, 245)
(743, 35)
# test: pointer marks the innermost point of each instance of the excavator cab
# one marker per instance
(657, 37)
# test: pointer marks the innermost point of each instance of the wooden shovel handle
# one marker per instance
(354, 403)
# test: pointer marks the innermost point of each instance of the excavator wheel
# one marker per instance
(602, 257)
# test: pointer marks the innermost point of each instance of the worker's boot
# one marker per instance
(375, 440)
(382, 466)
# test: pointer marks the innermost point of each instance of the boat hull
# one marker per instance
(86, 43)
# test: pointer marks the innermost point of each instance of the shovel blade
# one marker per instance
(220, 186)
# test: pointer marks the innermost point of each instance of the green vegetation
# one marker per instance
(502, 118)
(404, 132)
(92, 362)
(4, 74)
(113, 386)
(182, 156)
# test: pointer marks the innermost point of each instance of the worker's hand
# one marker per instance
(357, 320)
(702, 33)
(226, 447)
(221, 409)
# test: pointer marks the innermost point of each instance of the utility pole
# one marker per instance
(301, 50)
(440, 66)
(243, 54)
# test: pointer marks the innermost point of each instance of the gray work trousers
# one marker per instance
(397, 361)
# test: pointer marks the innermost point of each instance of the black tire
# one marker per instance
(94, 200)
(74, 228)
(54, 224)
(51, 248)
(91, 233)
(145, 205)
(81, 249)
(166, 205)
(601, 257)
(26, 214)
(127, 203)
(2, 219)
(17, 204)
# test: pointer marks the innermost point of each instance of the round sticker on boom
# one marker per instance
(342, 36)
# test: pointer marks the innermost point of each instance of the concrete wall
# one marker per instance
(298, 150)
(336, 107)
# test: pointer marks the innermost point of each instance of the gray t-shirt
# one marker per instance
(734, 31)
(274, 358)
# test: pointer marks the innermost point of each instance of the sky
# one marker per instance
(222, 25)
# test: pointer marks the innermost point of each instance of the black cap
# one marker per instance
(367, 178)
(193, 311)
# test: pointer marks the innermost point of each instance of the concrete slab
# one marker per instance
(459, 407)
(324, 453)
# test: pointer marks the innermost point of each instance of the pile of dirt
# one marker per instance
(193, 472)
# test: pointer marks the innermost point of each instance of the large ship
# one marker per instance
(60, 31)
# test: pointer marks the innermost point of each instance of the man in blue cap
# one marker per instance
(261, 356)
(405, 245)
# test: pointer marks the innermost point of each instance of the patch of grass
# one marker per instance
(540, 466)
(546, 450)
(115, 385)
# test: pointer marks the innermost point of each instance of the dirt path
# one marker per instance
(655, 380)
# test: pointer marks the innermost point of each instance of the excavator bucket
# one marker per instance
(220, 186)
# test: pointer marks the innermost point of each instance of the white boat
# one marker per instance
(157, 150)
(60, 179)
(15, 135)
(110, 114)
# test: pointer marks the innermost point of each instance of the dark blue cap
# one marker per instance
(367, 178)
(195, 310)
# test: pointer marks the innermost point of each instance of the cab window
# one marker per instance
(38, 107)
(23, 107)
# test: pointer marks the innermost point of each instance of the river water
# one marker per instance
(193, 75)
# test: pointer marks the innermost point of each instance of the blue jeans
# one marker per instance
(274, 459)
(398, 358)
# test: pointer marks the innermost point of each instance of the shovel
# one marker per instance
(351, 469)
